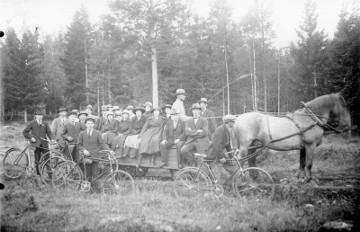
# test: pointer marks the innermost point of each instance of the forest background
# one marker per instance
(234, 64)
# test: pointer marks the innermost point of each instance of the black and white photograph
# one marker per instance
(180, 115)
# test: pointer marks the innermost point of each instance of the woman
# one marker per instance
(109, 129)
(117, 143)
(132, 140)
(167, 112)
(148, 110)
(151, 134)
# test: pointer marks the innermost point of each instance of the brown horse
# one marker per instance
(302, 130)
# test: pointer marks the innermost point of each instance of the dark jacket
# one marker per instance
(136, 125)
(171, 134)
(72, 131)
(93, 143)
(209, 115)
(221, 141)
(191, 130)
(111, 126)
(34, 130)
(124, 126)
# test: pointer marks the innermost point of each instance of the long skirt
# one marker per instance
(118, 141)
(132, 141)
(108, 136)
(150, 141)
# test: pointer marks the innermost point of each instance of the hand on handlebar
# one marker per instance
(70, 138)
(86, 153)
(222, 160)
(33, 140)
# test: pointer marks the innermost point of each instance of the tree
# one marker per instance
(74, 60)
(309, 56)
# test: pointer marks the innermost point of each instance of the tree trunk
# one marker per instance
(155, 92)
(25, 116)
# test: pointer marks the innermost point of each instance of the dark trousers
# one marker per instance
(164, 151)
(74, 153)
(38, 153)
(188, 150)
(91, 171)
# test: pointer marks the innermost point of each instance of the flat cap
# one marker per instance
(229, 118)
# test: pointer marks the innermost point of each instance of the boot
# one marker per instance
(126, 152)
(133, 154)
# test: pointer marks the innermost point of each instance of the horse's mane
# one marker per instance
(325, 101)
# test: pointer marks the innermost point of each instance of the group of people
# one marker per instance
(143, 129)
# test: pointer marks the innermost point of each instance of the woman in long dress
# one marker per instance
(132, 141)
(117, 144)
(151, 134)
(109, 129)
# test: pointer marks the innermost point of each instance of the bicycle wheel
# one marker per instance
(254, 182)
(15, 163)
(191, 182)
(118, 182)
(48, 167)
(67, 176)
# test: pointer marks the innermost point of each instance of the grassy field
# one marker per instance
(26, 205)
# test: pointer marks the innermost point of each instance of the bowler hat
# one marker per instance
(83, 112)
(166, 106)
(229, 118)
(196, 106)
(174, 112)
(90, 119)
(180, 91)
(203, 100)
(156, 108)
(39, 112)
(138, 108)
(62, 109)
(89, 107)
(72, 113)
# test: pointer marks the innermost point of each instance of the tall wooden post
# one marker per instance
(155, 92)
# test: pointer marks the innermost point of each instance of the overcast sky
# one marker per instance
(53, 16)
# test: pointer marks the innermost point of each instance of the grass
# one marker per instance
(26, 206)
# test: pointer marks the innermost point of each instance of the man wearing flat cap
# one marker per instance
(196, 130)
(221, 142)
(178, 105)
(209, 115)
(37, 132)
(71, 133)
(57, 125)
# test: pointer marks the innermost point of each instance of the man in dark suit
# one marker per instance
(36, 131)
(57, 125)
(196, 130)
(174, 133)
(209, 115)
(222, 142)
(71, 133)
(90, 142)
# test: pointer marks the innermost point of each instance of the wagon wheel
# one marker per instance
(254, 182)
(15, 163)
(67, 176)
(192, 182)
(119, 182)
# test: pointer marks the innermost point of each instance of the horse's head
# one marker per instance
(340, 111)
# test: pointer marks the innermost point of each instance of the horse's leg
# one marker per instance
(309, 160)
(252, 163)
(301, 173)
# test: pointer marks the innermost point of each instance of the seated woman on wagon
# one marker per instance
(151, 134)
(117, 144)
(132, 141)
(148, 110)
(109, 128)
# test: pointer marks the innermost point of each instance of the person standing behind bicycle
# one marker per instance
(71, 133)
(36, 131)
(221, 142)
(57, 126)
(90, 142)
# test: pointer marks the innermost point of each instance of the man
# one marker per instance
(101, 120)
(57, 126)
(221, 142)
(173, 134)
(209, 115)
(82, 116)
(89, 111)
(196, 130)
(178, 105)
(36, 131)
(90, 143)
(71, 133)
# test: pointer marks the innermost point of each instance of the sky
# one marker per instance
(54, 16)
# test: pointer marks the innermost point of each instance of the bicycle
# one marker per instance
(246, 182)
(16, 161)
(68, 175)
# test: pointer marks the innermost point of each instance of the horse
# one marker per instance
(302, 130)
